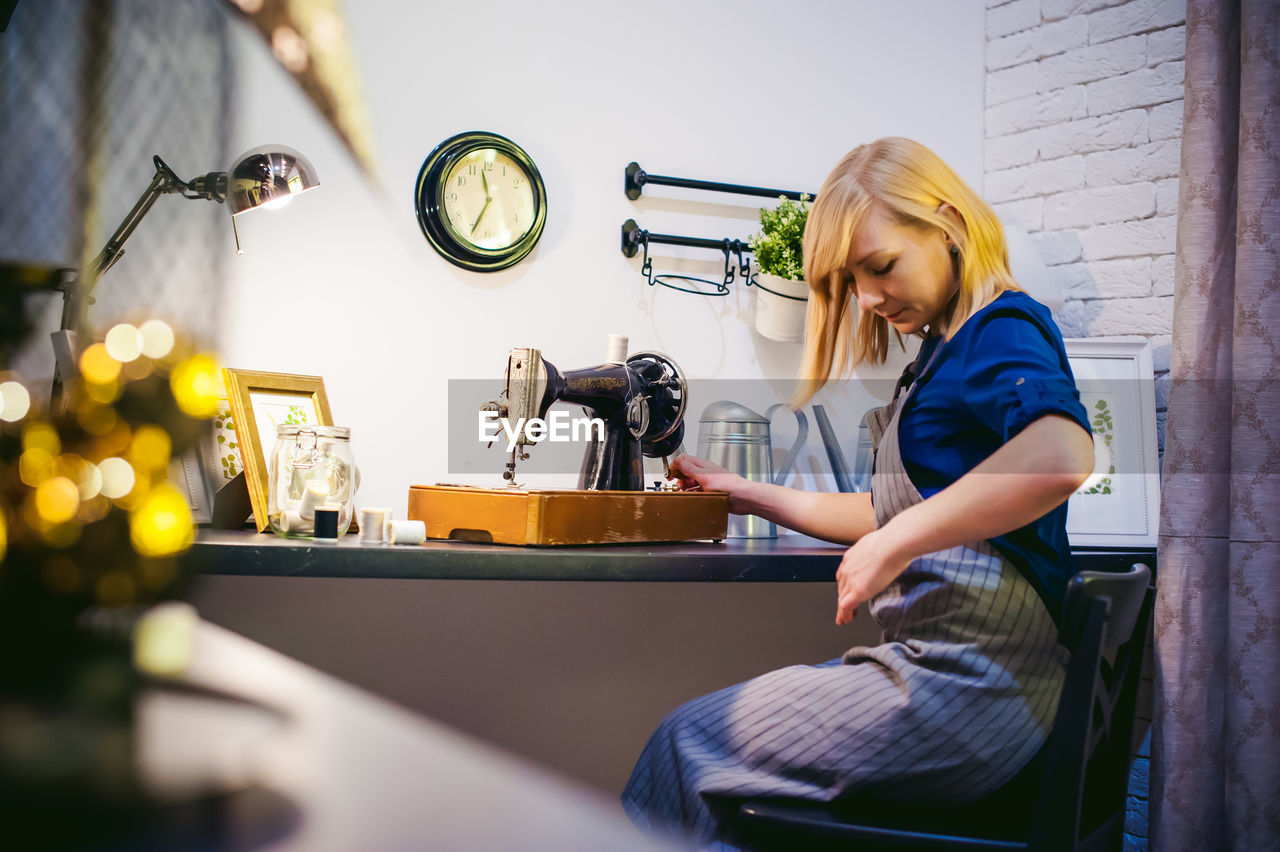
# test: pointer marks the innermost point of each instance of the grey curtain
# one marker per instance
(1215, 755)
(89, 91)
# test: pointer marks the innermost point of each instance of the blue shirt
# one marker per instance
(1005, 368)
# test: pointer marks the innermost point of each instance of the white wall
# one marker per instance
(1084, 133)
(343, 284)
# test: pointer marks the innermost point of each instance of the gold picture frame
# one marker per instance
(259, 403)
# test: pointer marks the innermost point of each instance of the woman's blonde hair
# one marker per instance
(913, 183)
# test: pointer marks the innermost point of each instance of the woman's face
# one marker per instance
(902, 272)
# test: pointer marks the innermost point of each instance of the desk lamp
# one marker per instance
(267, 176)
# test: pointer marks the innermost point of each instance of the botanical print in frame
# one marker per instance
(1119, 505)
(259, 403)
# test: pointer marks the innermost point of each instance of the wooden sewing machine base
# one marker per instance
(515, 516)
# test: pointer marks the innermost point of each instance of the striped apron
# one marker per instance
(956, 699)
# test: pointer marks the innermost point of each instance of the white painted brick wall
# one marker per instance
(1056, 10)
(1103, 204)
(1083, 143)
(1096, 62)
(1017, 81)
(1165, 121)
(1153, 161)
(1012, 17)
(1036, 179)
(1137, 16)
(1142, 88)
(1037, 43)
(1101, 133)
(1037, 111)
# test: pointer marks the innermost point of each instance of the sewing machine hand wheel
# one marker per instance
(667, 396)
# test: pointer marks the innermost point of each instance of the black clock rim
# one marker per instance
(428, 207)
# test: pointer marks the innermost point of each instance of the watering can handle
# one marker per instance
(802, 434)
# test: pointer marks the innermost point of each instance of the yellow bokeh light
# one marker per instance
(97, 365)
(35, 466)
(161, 524)
(123, 342)
(97, 419)
(157, 338)
(41, 436)
(117, 477)
(197, 385)
(57, 499)
(15, 402)
(94, 509)
(150, 448)
(83, 473)
(105, 393)
(139, 368)
(4, 534)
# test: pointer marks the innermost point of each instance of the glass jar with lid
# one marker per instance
(310, 467)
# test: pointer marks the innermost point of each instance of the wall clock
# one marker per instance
(480, 201)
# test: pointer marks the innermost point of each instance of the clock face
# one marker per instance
(480, 201)
(488, 199)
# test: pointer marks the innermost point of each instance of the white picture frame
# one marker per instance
(1119, 505)
(187, 471)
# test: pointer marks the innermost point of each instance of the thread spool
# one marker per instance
(373, 525)
(326, 523)
(617, 349)
(292, 522)
(406, 532)
(316, 494)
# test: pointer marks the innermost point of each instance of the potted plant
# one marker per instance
(782, 296)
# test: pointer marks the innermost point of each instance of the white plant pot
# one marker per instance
(777, 317)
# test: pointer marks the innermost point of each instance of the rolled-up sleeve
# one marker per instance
(1017, 374)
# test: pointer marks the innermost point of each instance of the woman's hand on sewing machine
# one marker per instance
(696, 474)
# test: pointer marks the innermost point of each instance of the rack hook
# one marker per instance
(728, 267)
(744, 263)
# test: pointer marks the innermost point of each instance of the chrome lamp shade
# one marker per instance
(267, 175)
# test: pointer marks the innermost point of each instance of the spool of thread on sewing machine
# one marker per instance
(617, 353)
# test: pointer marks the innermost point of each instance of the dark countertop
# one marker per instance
(786, 558)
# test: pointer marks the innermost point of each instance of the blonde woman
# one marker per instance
(960, 549)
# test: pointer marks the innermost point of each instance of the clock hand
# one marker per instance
(487, 199)
(484, 180)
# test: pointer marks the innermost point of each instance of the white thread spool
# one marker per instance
(373, 523)
(291, 522)
(317, 494)
(617, 349)
(406, 532)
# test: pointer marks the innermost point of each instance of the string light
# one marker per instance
(157, 338)
(15, 402)
(123, 342)
(197, 385)
(161, 525)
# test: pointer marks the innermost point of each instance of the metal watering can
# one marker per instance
(736, 438)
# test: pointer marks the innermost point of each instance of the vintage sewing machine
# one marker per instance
(640, 400)
(638, 403)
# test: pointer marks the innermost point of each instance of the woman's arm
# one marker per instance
(840, 518)
(1038, 469)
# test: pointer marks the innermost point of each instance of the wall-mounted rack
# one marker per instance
(636, 239)
(636, 179)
